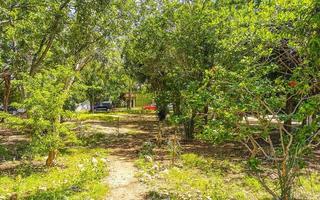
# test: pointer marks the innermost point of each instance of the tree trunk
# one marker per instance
(7, 86)
(51, 158)
(285, 185)
(289, 109)
(91, 105)
(189, 126)
(205, 112)
(162, 112)
(176, 105)
(14, 196)
(130, 100)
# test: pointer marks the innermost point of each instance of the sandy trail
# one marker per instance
(122, 182)
(123, 152)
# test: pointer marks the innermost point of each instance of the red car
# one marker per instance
(150, 107)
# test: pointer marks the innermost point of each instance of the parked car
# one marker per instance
(13, 110)
(105, 105)
(150, 107)
(170, 107)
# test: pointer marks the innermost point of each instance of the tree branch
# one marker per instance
(46, 40)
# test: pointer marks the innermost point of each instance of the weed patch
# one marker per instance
(199, 178)
(77, 176)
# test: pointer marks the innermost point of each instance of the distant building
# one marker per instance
(130, 99)
(84, 106)
(137, 99)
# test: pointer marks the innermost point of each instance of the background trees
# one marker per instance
(170, 50)
(247, 62)
(45, 47)
(270, 80)
(233, 70)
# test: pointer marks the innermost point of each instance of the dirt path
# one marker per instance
(124, 148)
(122, 181)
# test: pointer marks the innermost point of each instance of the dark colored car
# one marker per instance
(105, 105)
(13, 110)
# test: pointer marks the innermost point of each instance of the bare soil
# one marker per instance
(122, 181)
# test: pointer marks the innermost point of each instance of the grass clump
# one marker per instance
(198, 178)
(309, 186)
(5, 153)
(77, 176)
(101, 116)
(211, 165)
(146, 167)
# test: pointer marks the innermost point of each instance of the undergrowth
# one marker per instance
(199, 178)
(77, 176)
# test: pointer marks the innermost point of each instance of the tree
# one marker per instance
(264, 75)
(173, 47)
(44, 108)
(105, 77)
(37, 38)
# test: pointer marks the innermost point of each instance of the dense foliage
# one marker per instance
(244, 65)
(241, 71)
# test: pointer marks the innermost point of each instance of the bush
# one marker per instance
(147, 150)
(46, 94)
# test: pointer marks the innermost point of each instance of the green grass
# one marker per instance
(136, 110)
(5, 153)
(308, 185)
(77, 176)
(110, 116)
(101, 116)
(197, 177)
